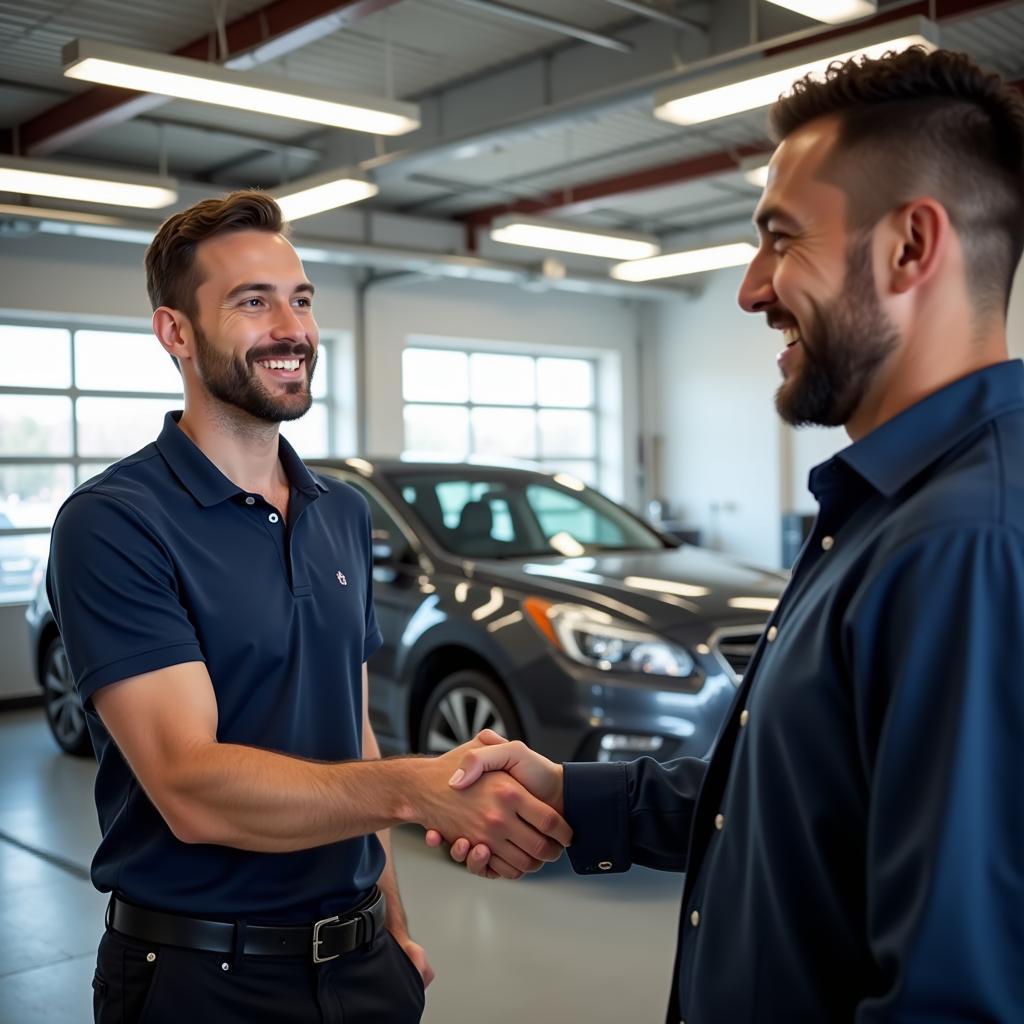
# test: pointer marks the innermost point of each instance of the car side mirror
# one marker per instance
(383, 549)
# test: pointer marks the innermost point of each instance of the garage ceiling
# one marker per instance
(514, 111)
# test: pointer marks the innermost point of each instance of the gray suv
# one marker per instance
(526, 602)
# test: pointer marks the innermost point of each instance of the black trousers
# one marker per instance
(141, 983)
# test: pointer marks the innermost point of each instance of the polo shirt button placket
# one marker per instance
(273, 517)
(250, 500)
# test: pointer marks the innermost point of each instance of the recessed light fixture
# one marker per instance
(321, 192)
(692, 261)
(565, 236)
(85, 184)
(143, 71)
(833, 12)
(725, 93)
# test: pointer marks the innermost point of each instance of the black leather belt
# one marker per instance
(323, 940)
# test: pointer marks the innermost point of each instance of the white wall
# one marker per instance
(724, 458)
(719, 461)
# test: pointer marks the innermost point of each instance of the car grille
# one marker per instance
(734, 645)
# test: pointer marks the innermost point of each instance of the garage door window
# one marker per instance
(73, 401)
(491, 405)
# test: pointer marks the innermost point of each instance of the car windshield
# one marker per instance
(511, 516)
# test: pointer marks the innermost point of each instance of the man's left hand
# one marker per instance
(418, 955)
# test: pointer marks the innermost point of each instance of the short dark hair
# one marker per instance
(172, 277)
(926, 123)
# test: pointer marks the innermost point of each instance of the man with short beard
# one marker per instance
(215, 600)
(854, 848)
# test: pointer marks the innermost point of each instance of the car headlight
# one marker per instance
(594, 638)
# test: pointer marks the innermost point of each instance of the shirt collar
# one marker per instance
(206, 483)
(894, 453)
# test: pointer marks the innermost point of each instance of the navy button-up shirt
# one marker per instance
(162, 560)
(855, 847)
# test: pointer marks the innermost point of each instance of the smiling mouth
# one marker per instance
(285, 369)
(791, 336)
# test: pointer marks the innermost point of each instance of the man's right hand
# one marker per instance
(491, 753)
(483, 796)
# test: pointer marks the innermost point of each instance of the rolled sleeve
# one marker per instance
(114, 595)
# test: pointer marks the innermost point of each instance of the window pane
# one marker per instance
(501, 380)
(35, 425)
(31, 495)
(321, 373)
(506, 432)
(35, 357)
(22, 563)
(310, 435)
(434, 431)
(565, 382)
(87, 470)
(116, 361)
(434, 375)
(567, 433)
(119, 426)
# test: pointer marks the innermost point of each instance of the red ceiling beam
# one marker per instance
(574, 200)
(84, 114)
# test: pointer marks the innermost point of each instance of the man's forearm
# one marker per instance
(255, 799)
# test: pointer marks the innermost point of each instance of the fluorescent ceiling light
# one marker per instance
(720, 95)
(85, 184)
(45, 213)
(186, 79)
(678, 264)
(830, 11)
(541, 233)
(323, 192)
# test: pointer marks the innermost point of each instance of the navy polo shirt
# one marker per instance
(855, 847)
(162, 560)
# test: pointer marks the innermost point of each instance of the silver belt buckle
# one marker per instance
(317, 958)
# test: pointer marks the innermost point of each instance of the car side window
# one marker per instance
(454, 497)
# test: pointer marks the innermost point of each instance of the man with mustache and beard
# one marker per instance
(854, 847)
(215, 601)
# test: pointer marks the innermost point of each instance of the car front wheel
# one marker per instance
(64, 712)
(459, 707)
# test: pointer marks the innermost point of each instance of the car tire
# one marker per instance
(459, 707)
(64, 713)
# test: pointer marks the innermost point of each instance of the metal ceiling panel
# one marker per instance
(31, 42)
(995, 39)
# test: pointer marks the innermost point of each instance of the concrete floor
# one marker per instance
(552, 948)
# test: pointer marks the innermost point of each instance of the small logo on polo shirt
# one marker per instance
(341, 578)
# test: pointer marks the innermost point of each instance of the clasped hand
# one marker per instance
(505, 776)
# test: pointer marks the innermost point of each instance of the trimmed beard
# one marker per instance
(234, 381)
(844, 348)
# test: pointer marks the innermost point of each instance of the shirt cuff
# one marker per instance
(596, 808)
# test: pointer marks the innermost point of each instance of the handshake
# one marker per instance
(502, 812)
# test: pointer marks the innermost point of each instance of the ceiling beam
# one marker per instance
(263, 35)
(581, 198)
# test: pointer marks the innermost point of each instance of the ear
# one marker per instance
(174, 331)
(920, 233)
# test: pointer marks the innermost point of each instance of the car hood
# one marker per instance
(660, 589)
